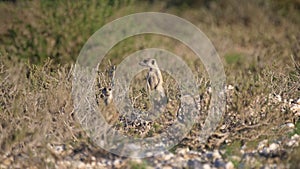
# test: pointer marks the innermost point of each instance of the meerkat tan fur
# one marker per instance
(154, 76)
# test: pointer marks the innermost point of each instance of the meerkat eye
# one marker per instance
(153, 62)
(102, 95)
(109, 89)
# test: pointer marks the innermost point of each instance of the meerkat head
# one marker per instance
(107, 91)
(106, 94)
(151, 63)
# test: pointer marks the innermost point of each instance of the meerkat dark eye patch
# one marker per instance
(152, 62)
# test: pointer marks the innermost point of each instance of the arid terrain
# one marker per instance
(258, 42)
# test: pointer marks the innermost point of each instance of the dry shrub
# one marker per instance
(36, 106)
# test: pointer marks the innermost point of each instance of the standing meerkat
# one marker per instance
(154, 77)
(107, 92)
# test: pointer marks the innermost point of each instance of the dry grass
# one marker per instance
(36, 107)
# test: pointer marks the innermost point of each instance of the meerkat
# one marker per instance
(106, 94)
(154, 76)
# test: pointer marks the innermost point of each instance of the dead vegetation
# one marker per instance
(262, 69)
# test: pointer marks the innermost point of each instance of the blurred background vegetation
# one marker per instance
(35, 30)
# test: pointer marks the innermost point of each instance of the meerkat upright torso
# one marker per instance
(154, 76)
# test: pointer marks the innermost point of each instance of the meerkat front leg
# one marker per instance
(148, 88)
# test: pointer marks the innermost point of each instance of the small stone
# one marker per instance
(295, 137)
(194, 164)
(57, 149)
(100, 164)
(182, 150)
(262, 144)
(295, 108)
(229, 165)
(209, 155)
(296, 101)
(230, 87)
(108, 162)
(80, 164)
(216, 155)
(206, 166)
(7, 161)
(273, 147)
(278, 98)
(242, 151)
(87, 166)
(168, 156)
(223, 127)
(93, 163)
(290, 125)
(292, 143)
(3, 166)
(117, 163)
(227, 141)
(67, 163)
(149, 154)
(219, 163)
(49, 160)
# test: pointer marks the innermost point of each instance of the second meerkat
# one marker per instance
(154, 76)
